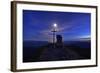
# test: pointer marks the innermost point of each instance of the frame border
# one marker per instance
(14, 35)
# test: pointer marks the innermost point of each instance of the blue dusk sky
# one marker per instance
(37, 25)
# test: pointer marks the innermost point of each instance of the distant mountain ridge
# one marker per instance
(34, 43)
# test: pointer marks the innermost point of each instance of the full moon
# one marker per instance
(55, 25)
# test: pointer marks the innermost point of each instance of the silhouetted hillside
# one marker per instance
(47, 52)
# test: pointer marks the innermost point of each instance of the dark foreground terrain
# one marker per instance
(43, 51)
